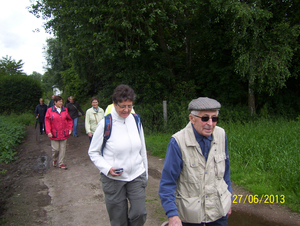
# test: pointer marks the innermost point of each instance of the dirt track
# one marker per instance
(35, 193)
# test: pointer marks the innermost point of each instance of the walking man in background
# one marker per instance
(195, 186)
(40, 112)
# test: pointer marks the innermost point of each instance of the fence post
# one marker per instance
(165, 111)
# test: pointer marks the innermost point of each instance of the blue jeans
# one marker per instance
(75, 122)
(220, 222)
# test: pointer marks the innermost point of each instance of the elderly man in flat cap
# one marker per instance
(195, 187)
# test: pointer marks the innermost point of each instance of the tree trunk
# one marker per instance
(251, 97)
(164, 46)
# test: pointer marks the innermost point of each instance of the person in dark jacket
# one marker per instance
(51, 103)
(74, 109)
(67, 101)
(58, 128)
(40, 112)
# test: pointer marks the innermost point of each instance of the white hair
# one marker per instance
(196, 112)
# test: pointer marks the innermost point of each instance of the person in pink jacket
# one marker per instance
(58, 128)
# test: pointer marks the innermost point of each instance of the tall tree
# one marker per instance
(9, 66)
(57, 61)
(37, 76)
(105, 39)
(263, 42)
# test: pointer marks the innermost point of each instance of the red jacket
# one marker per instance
(58, 124)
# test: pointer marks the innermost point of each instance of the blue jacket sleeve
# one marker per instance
(171, 170)
(227, 167)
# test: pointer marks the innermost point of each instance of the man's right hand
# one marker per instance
(175, 221)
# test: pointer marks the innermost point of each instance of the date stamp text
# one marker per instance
(259, 199)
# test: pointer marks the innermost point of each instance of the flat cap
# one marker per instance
(204, 103)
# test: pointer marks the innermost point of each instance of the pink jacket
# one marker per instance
(58, 124)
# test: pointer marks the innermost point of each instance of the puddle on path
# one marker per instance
(42, 163)
(246, 219)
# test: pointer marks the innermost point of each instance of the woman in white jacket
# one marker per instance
(93, 116)
(124, 149)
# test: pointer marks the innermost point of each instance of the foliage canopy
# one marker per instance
(239, 52)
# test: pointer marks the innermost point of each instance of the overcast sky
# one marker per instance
(17, 36)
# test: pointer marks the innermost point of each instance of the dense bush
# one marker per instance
(19, 93)
(11, 133)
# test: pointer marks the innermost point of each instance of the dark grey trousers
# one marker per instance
(116, 195)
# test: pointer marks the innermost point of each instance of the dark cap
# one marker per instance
(204, 104)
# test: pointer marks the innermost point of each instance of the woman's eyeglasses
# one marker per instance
(125, 106)
(206, 118)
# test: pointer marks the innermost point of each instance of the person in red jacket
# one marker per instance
(58, 128)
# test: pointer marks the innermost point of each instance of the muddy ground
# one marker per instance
(32, 192)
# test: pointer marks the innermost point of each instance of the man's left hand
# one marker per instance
(229, 212)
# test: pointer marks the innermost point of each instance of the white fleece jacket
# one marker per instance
(124, 149)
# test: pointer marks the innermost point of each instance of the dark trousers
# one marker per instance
(221, 222)
(42, 126)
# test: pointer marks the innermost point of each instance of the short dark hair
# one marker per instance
(123, 93)
(57, 98)
(94, 98)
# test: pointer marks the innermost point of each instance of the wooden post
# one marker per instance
(165, 111)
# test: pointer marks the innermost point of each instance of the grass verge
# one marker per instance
(12, 132)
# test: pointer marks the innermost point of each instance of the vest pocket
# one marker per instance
(220, 166)
(225, 199)
(189, 209)
(192, 173)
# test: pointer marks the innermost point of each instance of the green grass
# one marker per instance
(264, 157)
(157, 144)
(12, 131)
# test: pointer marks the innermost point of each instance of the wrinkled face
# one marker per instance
(41, 102)
(204, 128)
(123, 108)
(59, 103)
(95, 104)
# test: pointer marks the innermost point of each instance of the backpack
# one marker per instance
(108, 128)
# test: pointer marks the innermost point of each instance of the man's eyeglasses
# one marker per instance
(206, 118)
(125, 106)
